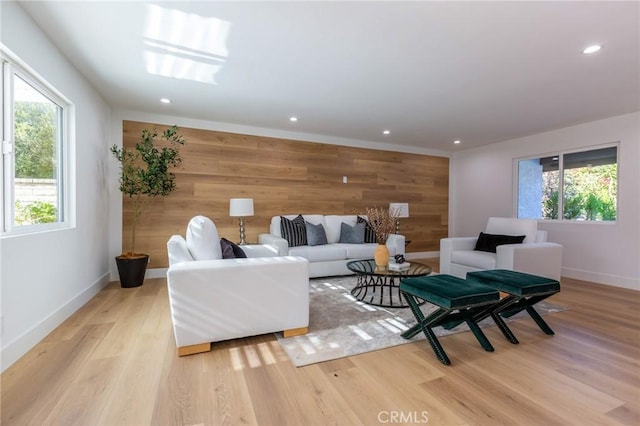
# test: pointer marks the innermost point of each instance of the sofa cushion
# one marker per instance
(231, 250)
(369, 233)
(294, 231)
(323, 253)
(475, 259)
(315, 234)
(489, 242)
(202, 239)
(352, 234)
(359, 251)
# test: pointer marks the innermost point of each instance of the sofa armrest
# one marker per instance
(396, 244)
(260, 250)
(544, 259)
(449, 245)
(280, 243)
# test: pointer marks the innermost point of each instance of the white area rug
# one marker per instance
(340, 326)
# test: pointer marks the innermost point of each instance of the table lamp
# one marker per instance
(402, 210)
(241, 208)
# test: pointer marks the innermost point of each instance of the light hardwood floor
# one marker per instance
(114, 363)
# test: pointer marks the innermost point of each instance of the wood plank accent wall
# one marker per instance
(288, 177)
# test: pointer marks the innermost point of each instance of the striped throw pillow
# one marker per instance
(294, 231)
(369, 234)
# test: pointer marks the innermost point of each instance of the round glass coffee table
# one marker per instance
(380, 286)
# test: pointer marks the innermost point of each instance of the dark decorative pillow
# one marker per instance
(294, 231)
(231, 250)
(352, 234)
(369, 233)
(489, 242)
(316, 235)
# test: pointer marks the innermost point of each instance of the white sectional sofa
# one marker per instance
(328, 259)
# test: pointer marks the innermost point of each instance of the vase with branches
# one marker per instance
(382, 221)
(145, 173)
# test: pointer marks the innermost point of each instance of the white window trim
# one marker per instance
(12, 64)
(560, 154)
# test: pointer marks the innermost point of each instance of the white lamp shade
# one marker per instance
(401, 208)
(241, 207)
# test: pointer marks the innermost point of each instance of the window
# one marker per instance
(34, 146)
(582, 185)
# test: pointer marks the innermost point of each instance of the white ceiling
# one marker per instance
(430, 72)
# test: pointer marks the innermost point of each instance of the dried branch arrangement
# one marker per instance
(383, 221)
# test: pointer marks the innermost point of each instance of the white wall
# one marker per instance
(609, 253)
(45, 277)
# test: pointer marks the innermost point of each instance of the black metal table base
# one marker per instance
(379, 290)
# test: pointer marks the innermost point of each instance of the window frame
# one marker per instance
(13, 67)
(560, 154)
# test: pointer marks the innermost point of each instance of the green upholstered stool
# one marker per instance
(524, 291)
(457, 301)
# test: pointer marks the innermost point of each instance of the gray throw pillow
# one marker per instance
(352, 234)
(316, 236)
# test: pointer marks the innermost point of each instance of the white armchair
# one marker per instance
(534, 255)
(214, 299)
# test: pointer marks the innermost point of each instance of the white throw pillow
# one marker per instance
(202, 239)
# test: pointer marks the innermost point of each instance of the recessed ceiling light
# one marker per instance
(293, 118)
(456, 142)
(386, 132)
(592, 49)
(165, 100)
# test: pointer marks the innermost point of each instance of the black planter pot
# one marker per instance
(132, 270)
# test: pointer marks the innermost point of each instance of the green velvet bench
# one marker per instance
(457, 300)
(523, 292)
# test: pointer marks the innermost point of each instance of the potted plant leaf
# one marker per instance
(145, 172)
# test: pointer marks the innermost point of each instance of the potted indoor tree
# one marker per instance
(145, 172)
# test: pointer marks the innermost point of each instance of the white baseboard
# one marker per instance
(22, 344)
(156, 273)
(607, 279)
(422, 255)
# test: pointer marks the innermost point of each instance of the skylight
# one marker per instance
(185, 46)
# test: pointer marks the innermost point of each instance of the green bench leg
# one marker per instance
(438, 318)
(506, 331)
(538, 319)
(524, 291)
(423, 325)
(480, 336)
(513, 305)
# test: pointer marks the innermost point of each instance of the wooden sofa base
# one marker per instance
(194, 349)
(295, 332)
(206, 347)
